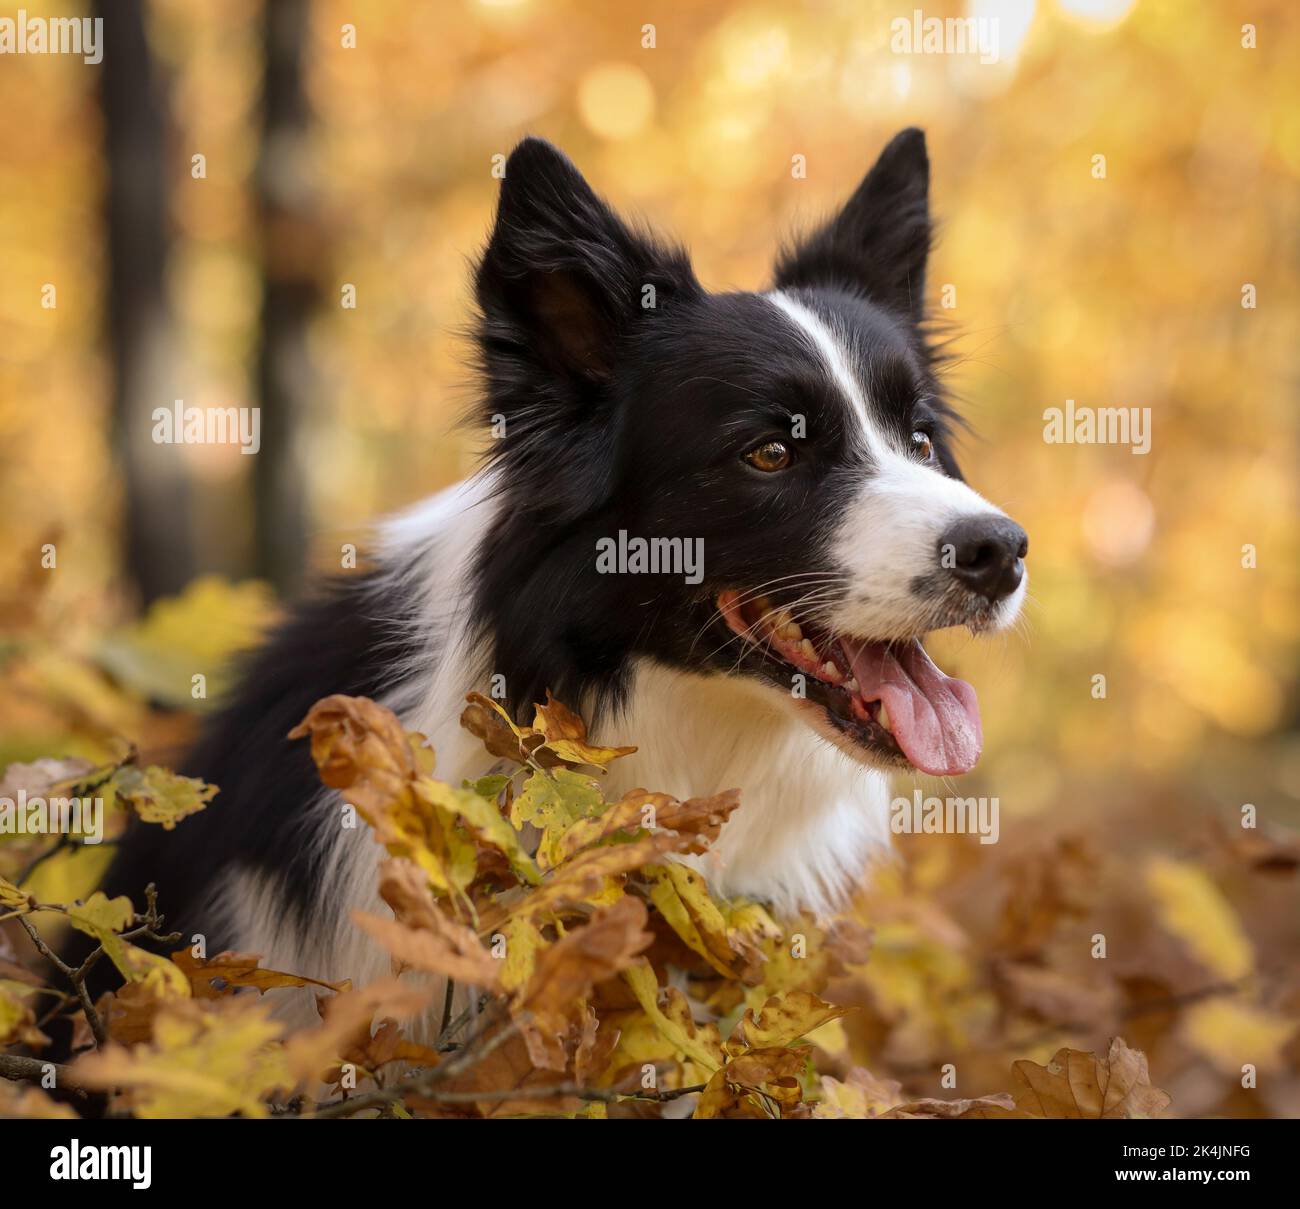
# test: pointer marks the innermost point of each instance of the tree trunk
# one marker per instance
(292, 248)
(158, 549)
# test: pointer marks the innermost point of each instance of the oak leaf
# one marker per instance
(554, 1001)
(211, 1058)
(1075, 1084)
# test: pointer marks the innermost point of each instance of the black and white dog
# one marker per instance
(796, 438)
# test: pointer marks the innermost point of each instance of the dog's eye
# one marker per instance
(769, 456)
(923, 445)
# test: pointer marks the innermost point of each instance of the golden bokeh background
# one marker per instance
(1119, 291)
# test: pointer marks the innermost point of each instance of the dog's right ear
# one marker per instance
(563, 279)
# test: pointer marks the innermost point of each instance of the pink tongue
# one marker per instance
(935, 718)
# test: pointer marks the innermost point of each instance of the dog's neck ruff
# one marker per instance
(810, 818)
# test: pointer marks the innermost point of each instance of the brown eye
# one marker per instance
(923, 445)
(770, 456)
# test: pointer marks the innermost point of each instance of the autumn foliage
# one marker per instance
(593, 971)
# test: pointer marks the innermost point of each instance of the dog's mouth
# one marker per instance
(889, 699)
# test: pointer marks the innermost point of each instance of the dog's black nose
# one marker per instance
(984, 553)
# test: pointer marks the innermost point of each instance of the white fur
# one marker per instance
(811, 817)
(890, 533)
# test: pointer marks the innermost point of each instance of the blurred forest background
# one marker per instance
(327, 165)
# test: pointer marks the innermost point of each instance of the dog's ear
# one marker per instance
(878, 244)
(563, 280)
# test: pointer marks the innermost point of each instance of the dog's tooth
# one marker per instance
(807, 650)
(883, 718)
(851, 684)
(831, 672)
(790, 631)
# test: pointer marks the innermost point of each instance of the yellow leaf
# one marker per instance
(1192, 909)
(566, 736)
(17, 1022)
(860, 1096)
(624, 816)
(101, 913)
(700, 1043)
(11, 898)
(683, 899)
(591, 879)
(482, 817)
(782, 1020)
(208, 1058)
(195, 632)
(31, 1104)
(760, 1083)
(1231, 1034)
(523, 941)
(158, 796)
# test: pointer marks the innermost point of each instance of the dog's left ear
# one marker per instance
(878, 244)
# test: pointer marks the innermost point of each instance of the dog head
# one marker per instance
(754, 485)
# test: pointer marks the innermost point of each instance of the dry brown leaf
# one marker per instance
(1077, 1085)
(359, 746)
(452, 951)
(782, 1020)
(555, 998)
(952, 1110)
(215, 977)
(860, 1096)
(311, 1054)
(699, 818)
(760, 1084)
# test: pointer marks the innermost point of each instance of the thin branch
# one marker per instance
(421, 1082)
(446, 1005)
(146, 925)
(77, 977)
(34, 1070)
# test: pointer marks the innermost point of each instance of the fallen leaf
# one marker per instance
(1192, 909)
(1075, 1084)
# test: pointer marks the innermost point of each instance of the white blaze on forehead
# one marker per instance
(832, 354)
(889, 533)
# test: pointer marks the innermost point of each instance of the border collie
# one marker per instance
(798, 438)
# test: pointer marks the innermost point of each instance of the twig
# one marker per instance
(77, 978)
(145, 925)
(34, 1070)
(422, 1081)
(444, 1042)
(446, 1006)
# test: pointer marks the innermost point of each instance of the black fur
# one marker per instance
(617, 416)
(647, 434)
(347, 638)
